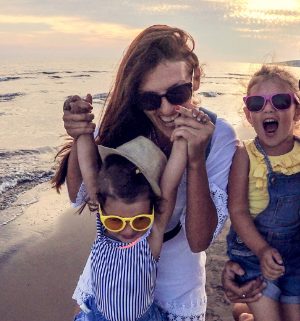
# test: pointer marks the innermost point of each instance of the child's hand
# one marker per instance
(271, 263)
(77, 105)
(82, 106)
(77, 124)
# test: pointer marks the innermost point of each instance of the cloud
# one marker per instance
(163, 8)
(72, 25)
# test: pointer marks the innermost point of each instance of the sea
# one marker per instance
(31, 127)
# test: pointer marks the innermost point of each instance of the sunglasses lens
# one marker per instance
(282, 101)
(176, 96)
(141, 223)
(113, 224)
(180, 94)
(149, 101)
(255, 103)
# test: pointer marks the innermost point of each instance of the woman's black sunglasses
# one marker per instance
(278, 101)
(175, 95)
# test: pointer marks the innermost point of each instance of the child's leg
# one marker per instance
(290, 312)
(265, 309)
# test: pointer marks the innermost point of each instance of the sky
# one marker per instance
(224, 30)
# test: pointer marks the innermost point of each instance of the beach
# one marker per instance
(44, 243)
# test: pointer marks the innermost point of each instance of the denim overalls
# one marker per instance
(279, 224)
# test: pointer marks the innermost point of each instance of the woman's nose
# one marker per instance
(166, 108)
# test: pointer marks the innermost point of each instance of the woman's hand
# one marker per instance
(249, 292)
(77, 116)
(196, 128)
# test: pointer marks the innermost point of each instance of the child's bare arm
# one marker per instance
(171, 179)
(238, 204)
(88, 159)
(87, 153)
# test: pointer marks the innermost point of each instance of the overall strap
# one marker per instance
(266, 158)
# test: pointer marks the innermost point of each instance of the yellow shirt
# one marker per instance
(287, 164)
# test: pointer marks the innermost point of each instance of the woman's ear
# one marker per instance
(196, 78)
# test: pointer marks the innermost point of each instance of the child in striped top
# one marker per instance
(134, 193)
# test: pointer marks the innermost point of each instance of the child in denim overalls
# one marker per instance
(264, 195)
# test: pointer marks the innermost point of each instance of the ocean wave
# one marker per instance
(81, 76)
(48, 72)
(9, 182)
(101, 96)
(22, 152)
(210, 93)
(8, 78)
(12, 186)
(236, 74)
(10, 96)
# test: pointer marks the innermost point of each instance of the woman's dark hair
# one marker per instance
(122, 120)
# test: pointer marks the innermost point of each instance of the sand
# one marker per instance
(45, 252)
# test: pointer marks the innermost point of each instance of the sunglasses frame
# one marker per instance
(166, 94)
(124, 221)
(269, 98)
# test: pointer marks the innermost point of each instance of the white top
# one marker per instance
(180, 285)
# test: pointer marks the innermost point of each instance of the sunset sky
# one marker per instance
(240, 30)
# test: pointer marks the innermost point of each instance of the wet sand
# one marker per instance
(45, 252)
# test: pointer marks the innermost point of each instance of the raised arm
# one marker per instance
(171, 178)
(76, 124)
(88, 159)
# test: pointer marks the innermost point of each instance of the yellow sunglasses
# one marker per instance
(116, 223)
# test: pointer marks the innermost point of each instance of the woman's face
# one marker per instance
(166, 75)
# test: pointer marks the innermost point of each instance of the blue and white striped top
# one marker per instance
(123, 279)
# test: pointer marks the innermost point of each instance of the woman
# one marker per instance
(151, 96)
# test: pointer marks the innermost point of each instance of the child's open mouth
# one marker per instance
(270, 125)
